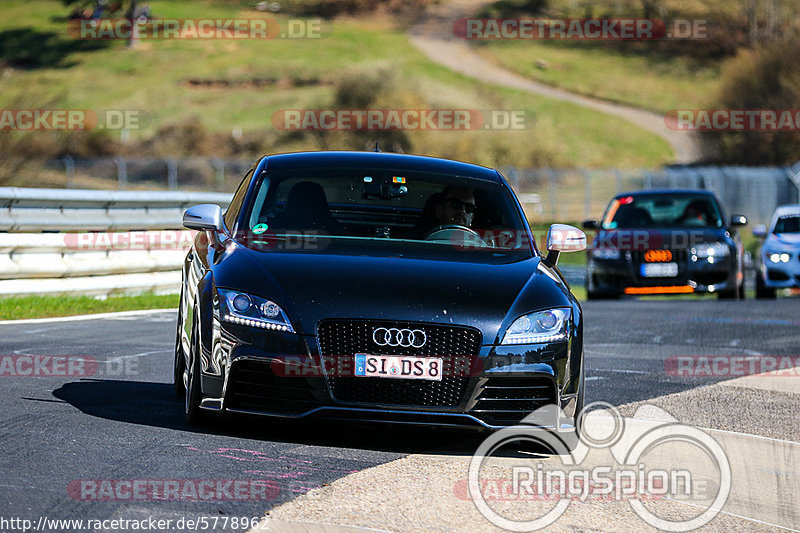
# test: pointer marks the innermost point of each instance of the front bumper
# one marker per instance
(283, 375)
(780, 275)
(695, 275)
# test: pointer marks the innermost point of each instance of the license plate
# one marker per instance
(659, 270)
(398, 366)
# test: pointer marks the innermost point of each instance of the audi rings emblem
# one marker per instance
(407, 338)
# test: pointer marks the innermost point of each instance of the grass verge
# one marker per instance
(632, 78)
(21, 307)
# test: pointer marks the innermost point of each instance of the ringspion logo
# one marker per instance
(633, 460)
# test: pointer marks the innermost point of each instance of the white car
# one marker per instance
(778, 264)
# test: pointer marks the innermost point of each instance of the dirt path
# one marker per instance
(433, 35)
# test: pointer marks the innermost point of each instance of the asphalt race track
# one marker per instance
(124, 422)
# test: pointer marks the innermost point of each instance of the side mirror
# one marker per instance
(590, 224)
(203, 217)
(738, 220)
(563, 238)
(760, 231)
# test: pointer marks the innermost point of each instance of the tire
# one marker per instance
(572, 438)
(594, 295)
(763, 292)
(581, 400)
(194, 415)
(737, 293)
(590, 294)
(179, 366)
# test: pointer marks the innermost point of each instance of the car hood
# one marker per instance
(312, 287)
(786, 239)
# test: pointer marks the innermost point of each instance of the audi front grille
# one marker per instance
(458, 347)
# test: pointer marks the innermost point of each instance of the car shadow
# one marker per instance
(155, 404)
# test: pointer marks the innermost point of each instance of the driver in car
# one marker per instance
(456, 207)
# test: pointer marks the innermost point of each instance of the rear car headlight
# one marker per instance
(713, 249)
(542, 326)
(605, 253)
(249, 310)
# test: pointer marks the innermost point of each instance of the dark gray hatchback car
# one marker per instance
(665, 241)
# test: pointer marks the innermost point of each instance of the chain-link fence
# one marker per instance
(547, 194)
(194, 173)
(579, 194)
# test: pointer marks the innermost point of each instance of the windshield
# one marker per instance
(659, 210)
(787, 224)
(379, 207)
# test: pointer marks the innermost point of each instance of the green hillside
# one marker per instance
(210, 88)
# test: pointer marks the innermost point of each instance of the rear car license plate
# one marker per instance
(398, 366)
(659, 270)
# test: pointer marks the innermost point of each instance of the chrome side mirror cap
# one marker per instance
(563, 238)
(203, 217)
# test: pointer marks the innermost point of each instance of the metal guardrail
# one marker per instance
(23, 209)
(93, 250)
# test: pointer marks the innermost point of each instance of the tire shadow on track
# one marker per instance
(155, 404)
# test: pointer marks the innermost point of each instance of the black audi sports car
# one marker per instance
(377, 287)
(665, 241)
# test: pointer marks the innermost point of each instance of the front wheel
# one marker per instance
(194, 415)
(762, 291)
(179, 366)
(573, 437)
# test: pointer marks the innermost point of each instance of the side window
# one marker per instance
(238, 199)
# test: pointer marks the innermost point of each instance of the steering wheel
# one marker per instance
(444, 233)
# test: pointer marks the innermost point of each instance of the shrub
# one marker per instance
(764, 78)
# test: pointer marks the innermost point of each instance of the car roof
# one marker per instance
(666, 192)
(379, 160)
(783, 210)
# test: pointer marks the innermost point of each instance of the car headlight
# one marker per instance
(713, 249)
(248, 310)
(779, 257)
(605, 253)
(543, 326)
